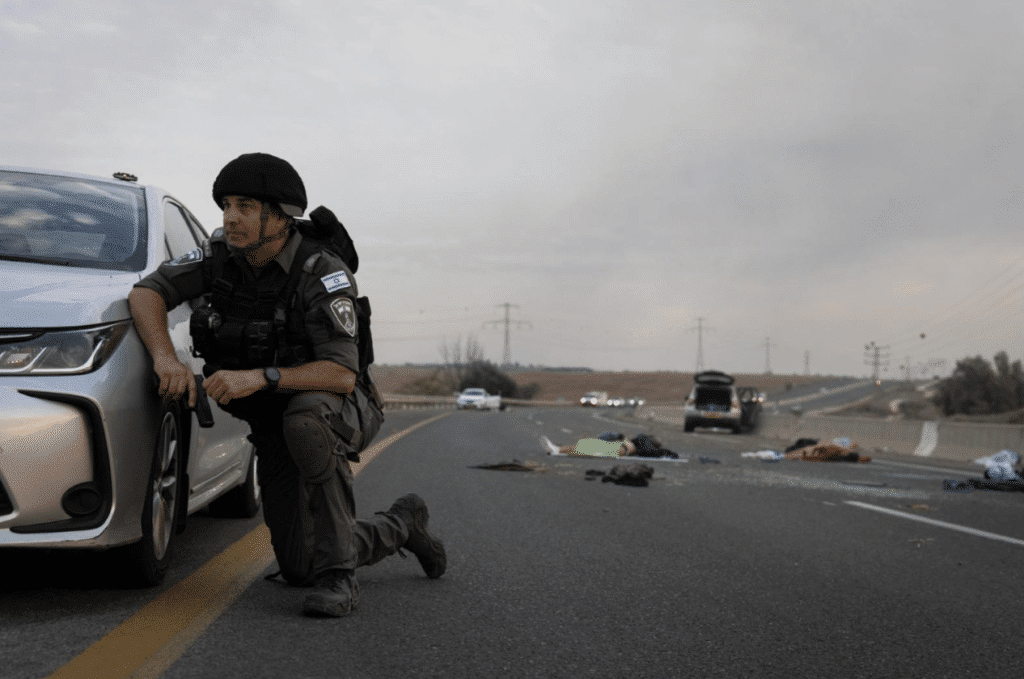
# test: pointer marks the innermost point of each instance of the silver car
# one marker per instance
(89, 455)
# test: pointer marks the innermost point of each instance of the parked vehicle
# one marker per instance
(713, 402)
(594, 398)
(479, 399)
(91, 457)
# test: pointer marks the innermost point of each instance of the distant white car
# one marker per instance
(478, 398)
(594, 398)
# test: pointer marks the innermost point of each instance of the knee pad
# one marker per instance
(311, 441)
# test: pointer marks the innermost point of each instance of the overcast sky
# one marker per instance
(796, 179)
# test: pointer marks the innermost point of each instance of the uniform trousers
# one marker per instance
(312, 521)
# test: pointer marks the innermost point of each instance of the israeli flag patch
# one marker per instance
(336, 281)
(187, 258)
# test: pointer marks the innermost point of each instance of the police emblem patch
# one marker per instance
(343, 314)
(187, 258)
(336, 281)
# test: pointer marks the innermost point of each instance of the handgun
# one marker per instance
(203, 412)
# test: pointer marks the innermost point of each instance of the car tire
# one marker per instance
(241, 502)
(688, 426)
(149, 558)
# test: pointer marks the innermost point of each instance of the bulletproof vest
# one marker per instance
(239, 326)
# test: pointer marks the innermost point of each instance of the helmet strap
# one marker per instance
(251, 249)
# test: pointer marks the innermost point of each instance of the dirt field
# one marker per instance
(654, 387)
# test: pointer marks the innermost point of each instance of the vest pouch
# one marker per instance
(229, 343)
(259, 343)
(202, 326)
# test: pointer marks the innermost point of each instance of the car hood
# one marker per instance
(47, 296)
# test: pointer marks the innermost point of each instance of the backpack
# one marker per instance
(323, 231)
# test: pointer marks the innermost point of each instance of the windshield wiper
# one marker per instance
(35, 260)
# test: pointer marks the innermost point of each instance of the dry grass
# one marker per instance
(654, 387)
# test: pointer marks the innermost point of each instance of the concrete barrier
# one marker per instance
(955, 441)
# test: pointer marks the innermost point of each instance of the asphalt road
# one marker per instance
(730, 567)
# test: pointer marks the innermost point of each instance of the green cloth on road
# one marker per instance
(598, 448)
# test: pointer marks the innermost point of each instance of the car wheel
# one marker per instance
(151, 555)
(241, 502)
(688, 427)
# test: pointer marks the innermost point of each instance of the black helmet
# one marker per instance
(263, 177)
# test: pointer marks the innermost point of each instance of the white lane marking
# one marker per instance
(940, 524)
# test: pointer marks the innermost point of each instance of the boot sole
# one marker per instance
(317, 607)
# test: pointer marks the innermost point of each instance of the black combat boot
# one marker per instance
(336, 594)
(412, 511)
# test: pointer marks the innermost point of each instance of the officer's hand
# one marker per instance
(224, 386)
(175, 379)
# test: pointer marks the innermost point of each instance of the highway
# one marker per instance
(726, 567)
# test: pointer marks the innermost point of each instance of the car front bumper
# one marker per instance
(91, 434)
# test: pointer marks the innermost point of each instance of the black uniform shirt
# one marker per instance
(326, 294)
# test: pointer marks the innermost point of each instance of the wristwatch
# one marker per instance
(273, 376)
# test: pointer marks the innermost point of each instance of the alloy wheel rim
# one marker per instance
(165, 486)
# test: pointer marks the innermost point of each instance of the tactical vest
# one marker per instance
(237, 327)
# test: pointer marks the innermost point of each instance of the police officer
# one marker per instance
(279, 334)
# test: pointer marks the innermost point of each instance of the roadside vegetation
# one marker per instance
(463, 367)
(980, 389)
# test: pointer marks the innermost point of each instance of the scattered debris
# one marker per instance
(1000, 474)
(766, 455)
(920, 507)
(1000, 467)
(709, 460)
(920, 542)
(968, 485)
(513, 466)
(638, 475)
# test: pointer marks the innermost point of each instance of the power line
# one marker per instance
(876, 359)
(508, 322)
(700, 343)
(767, 355)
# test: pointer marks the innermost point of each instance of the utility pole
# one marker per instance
(807, 362)
(508, 322)
(700, 343)
(874, 356)
(767, 355)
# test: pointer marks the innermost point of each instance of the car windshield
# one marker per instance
(473, 392)
(72, 222)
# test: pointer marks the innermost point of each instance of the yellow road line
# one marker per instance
(151, 640)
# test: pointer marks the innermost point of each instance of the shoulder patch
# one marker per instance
(343, 314)
(336, 281)
(189, 257)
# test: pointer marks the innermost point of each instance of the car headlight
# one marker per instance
(64, 352)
